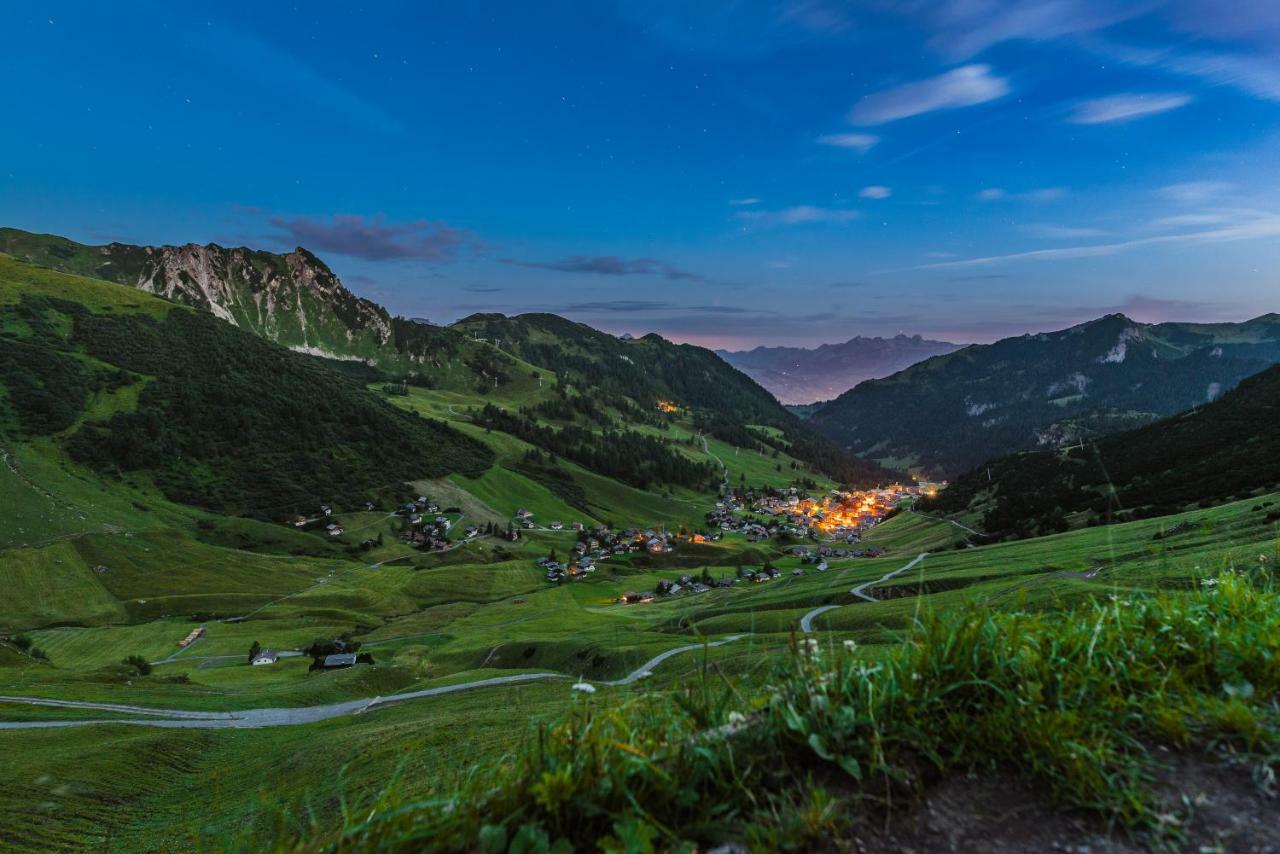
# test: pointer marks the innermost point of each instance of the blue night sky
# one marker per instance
(728, 173)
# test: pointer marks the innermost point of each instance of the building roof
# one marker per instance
(340, 659)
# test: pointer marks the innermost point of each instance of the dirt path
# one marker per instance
(806, 622)
(259, 718)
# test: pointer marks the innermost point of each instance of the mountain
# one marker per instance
(292, 299)
(796, 375)
(296, 301)
(1229, 449)
(650, 370)
(950, 413)
(133, 386)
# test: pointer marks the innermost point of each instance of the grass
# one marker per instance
(1074, 702)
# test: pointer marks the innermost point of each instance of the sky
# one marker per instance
(729, 174)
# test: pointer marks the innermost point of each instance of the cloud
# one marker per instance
(374, 239)
(479, 290)
(875, 192)
(816, 15)
(611, 265)
(1182, 220)
(627, 306)
(1259, 224)
(800, 215)
(751, 200)
(962, 28)
(1126, 107)
(1194, 191)
(285, 73)
(861, 142)
(966, 86)
(987, 277)
(1044, 194)
(1049, 231)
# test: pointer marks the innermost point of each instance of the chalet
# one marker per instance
(470, 531)
(698, 587)
(657, 546)
(556, 526)
(368, 505)
(797, 571)
(267, 656)
(339, 659)
(578, 526)
(300, 521)
(334, 529)
(523, 514)
(823, 566)
(326, 510)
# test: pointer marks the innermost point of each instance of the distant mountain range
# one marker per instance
(952, 412)
(796, 375)
(1228, 449)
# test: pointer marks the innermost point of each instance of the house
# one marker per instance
(556, 526)
(339, 659)
(523, 514)
(334, 529)
(300, 521)
(471, 531)
(326, 510)
(267, 656)
(578, 526)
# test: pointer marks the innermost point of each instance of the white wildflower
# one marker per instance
(850, 646)
(737, 718)
(584, 687)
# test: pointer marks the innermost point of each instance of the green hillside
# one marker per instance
(950, 413)
(212, 416)
(721, 400)
(1229, 449)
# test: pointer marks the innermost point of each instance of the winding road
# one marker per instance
(806, 622)
(260, 718)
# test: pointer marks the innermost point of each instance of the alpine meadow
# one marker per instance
(780, 425)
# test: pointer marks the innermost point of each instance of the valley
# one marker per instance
(434, 566)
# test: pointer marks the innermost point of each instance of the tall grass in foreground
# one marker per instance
(1073, 702)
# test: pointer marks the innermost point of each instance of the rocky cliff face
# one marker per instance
(293, 299)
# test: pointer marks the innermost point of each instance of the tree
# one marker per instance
(254, 650)
(137, 664)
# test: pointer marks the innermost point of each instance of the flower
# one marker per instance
(850, 645)
(736, 718)
(584, 687)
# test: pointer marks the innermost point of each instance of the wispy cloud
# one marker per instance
(861, 142)
(966, 86)
(630, 306)
(1194, 191)
(1043, 194)
(962, 28)
(1184, 220)
(1126, 107)
(1259, 225)
(875, 191)
(281, 70)
(611, 265)
(1049, 231)
(800, 215)
(374, 239)
(750, 200)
